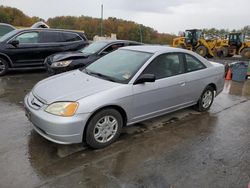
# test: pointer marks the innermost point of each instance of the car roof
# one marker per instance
(154, 49)
(117, 41)
(8, 25)
(49, 29)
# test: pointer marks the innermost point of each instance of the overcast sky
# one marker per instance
(170, 16)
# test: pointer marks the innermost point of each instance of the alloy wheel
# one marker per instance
(105, 129)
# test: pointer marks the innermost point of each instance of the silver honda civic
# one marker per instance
(124, 87)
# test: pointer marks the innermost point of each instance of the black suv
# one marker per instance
(28, 48)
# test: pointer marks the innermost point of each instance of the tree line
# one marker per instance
(127, 30)
(124, 29)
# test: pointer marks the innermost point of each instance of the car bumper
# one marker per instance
(61, 130)
(53, 71)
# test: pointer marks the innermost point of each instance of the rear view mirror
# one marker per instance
(14, 42)
(145, 78)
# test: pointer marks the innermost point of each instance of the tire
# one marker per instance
(101, 136)
(222, 52)
(202, 51)
(203, 104)
(4, 66)
(245, 53)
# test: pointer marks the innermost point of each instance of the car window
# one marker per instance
(94, 47)
(113, 47)
(120, 65)
(50, 37)
(165, 65)
(193, 64)
(31, 37)
(71, 37)
(5, 29)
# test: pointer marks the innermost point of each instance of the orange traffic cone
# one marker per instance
(228, 76)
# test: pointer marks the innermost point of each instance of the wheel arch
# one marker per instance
(6, 58)
(116, 107)
(213, 86)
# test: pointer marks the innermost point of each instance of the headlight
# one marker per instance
(65, 109)
(61, 63)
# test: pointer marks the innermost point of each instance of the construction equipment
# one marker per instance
(194, 40)
(236, 45)
(233, 44)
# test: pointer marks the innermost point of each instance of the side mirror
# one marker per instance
(103, 53)
(14, 42)
(145, 78)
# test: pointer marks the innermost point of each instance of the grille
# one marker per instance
(34, 102)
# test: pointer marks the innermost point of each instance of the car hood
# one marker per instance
(70, 86)
(68, 55)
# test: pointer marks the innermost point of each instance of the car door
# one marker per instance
(50, 42)
(166, 93)
(26, 52)
(196, 76)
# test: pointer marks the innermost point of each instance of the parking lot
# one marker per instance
(182, 149)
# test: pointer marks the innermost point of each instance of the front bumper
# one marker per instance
(61, 130)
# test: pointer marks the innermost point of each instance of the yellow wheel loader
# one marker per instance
(193, 40)
(235, 45)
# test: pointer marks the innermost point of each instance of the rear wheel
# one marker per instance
(205, 100)
(245, 53)
(201, 50)
(222, 52)
(4, 66)
(104, 128)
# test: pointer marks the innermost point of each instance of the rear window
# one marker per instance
(50, 37)
(5, 29)
(193, 64)
(71, 37)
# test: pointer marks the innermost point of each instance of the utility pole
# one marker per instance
(101, 20)
(140, 33)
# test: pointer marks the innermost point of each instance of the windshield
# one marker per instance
(118, 66)
(94, 47)
(6, 36)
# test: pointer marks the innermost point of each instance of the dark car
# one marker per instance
(28, 48)
(66, 61)
(5, 28)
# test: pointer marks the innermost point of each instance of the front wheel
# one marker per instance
(104, 128)
(205, 100)
(202, 51)
(4, 66)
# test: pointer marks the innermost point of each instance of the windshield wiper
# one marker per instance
(99, 75)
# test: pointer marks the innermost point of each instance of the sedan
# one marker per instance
(65, 61)
(129, 85)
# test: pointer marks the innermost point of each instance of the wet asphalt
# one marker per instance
(181, 149)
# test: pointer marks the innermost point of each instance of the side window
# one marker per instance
(71, 37)
(113, 47)
(193, 64)
(31, 37)
(165, 65)
(50, 37)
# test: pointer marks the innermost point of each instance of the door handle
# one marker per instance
(182, 84)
